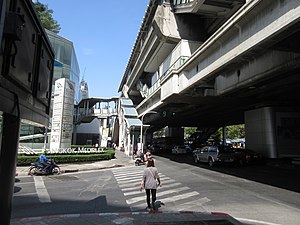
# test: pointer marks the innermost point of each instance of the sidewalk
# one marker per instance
(120, 160)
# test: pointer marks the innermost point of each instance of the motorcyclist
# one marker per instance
(44, 160)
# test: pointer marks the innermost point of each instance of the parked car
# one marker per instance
(180, 149)
(247, 156)
(214, 155)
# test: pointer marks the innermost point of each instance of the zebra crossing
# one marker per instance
(174, 195)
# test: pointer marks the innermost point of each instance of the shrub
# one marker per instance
(26, 160)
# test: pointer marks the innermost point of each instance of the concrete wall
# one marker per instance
(92, 127)
(274, 132)
(256, 68)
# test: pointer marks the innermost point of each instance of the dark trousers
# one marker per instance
(153, 195)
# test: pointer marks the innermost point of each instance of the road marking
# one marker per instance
(121, 175)
(160, 194)
(134, 190)
(41, 190)
(256, 221)
(128, 178)
(170, 192)
(166, 200)
(137, 182)
(136, 179)
(179, 197)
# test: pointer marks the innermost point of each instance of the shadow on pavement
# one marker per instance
(277, 173)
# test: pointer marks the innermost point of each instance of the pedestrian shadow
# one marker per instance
(158, 204)
(17, 189)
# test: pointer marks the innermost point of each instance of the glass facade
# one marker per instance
(65, 66)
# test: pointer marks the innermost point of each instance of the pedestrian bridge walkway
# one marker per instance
(91, 108)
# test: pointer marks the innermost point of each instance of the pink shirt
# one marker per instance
(149, 177)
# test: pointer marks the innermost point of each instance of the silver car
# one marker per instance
(214, 155)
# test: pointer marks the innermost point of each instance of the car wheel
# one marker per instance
(211, 162)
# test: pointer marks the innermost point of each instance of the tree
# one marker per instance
(159, 133)
(233, 132)
(236, 131)
(45, 15)
(188, 131)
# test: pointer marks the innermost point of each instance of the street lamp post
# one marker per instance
(133, 140)
(141, 135)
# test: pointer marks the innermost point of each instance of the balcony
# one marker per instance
(172, 63)
(177, 58)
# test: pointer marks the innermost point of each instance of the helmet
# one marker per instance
(44, 151)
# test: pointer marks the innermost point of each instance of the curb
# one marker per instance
(121, 214)
(25, 173)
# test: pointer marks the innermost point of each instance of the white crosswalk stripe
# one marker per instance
(172, 192)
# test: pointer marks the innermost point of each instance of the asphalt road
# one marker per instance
(253, 194)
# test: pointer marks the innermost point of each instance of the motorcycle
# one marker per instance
(139, 160)
(38, 169)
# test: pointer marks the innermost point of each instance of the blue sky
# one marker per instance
(103, 34)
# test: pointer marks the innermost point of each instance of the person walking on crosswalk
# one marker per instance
(150, 182)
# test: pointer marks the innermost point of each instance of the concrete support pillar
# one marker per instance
(133, 141)
(8, 157)
(261, 131)
(148, 139)
(175, 132)
(224, 136)
(127, 146)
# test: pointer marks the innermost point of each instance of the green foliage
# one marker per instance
(232, 132)
(159, 133)
(188, 131)
(45, 15)
(236, 131)
(26, 160)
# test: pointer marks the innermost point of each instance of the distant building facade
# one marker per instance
(65, 66)
(83, 90)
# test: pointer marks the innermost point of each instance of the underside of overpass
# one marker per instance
(247, 65)
(279, 89)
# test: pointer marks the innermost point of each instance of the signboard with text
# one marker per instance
(62, 119)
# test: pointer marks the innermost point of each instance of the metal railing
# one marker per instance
(181, 2)
(95, 113)
(178, 63)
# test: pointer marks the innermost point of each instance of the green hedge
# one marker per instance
(26, 160)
